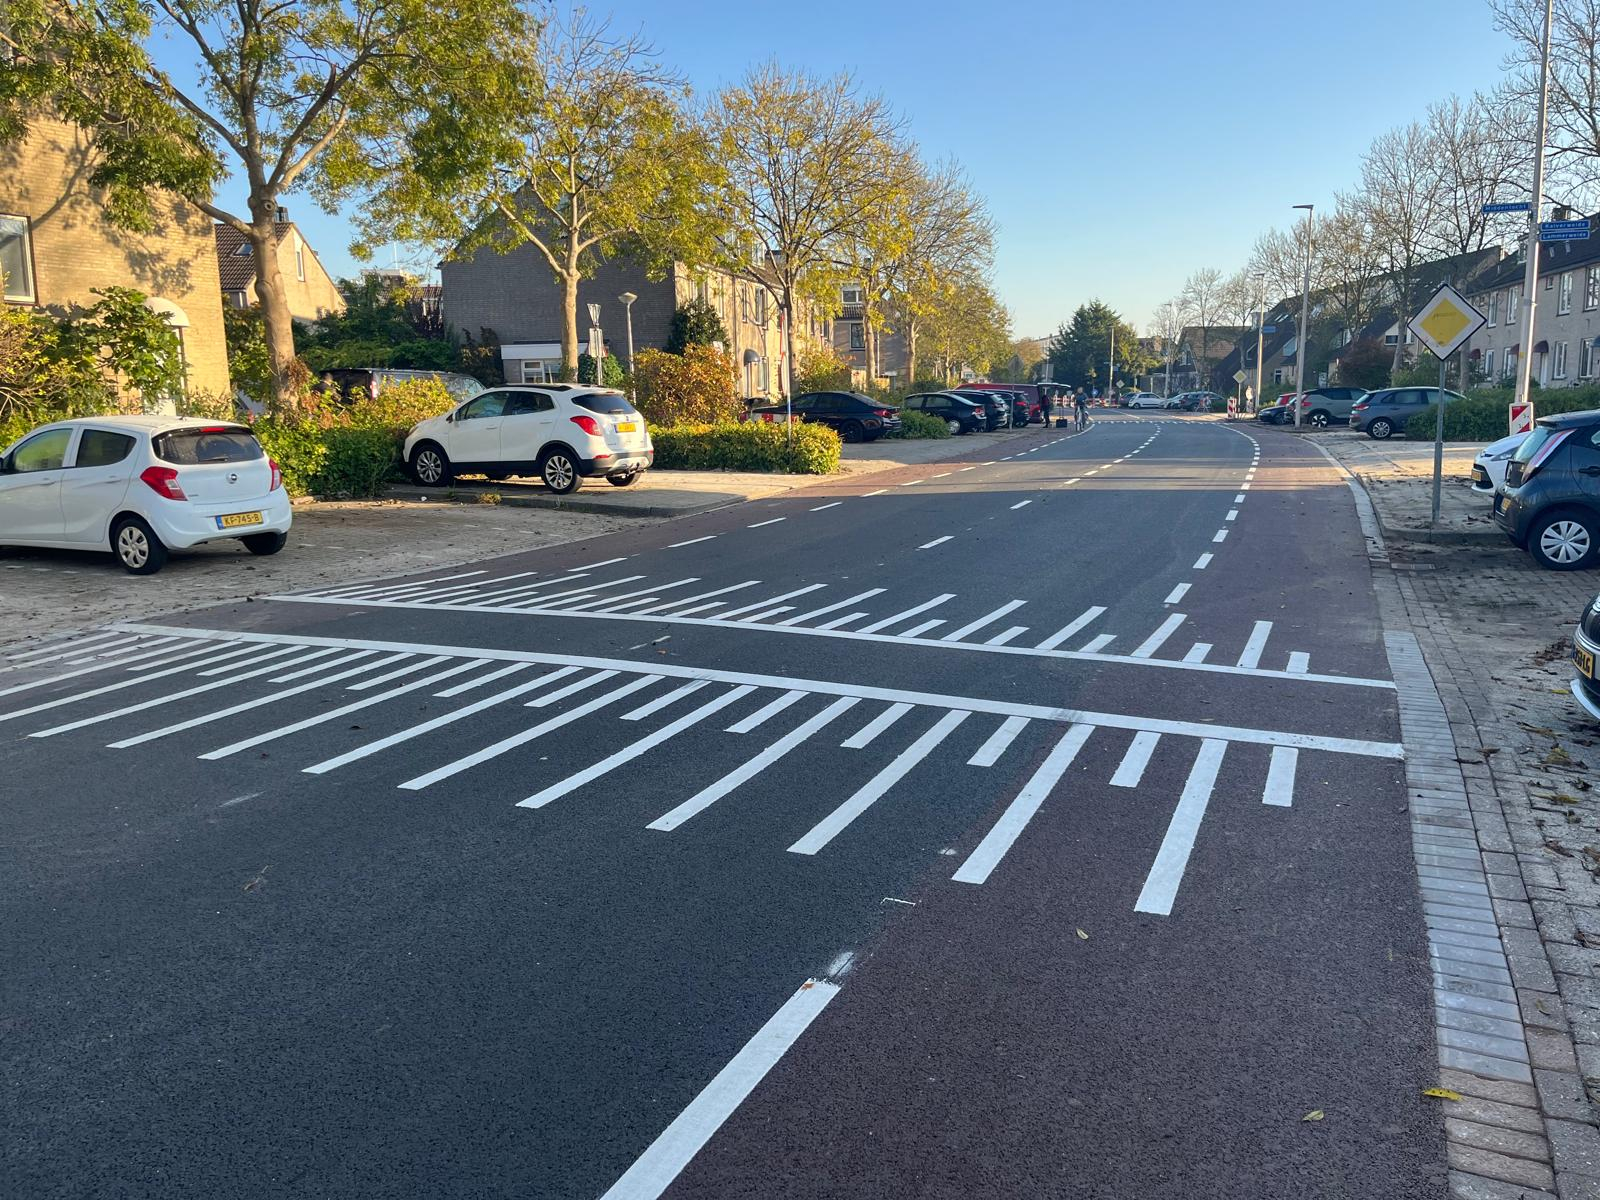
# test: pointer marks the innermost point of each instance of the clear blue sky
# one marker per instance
(1120, 145)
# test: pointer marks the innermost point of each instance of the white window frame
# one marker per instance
(1513, 302)
(1488, 365)
(1558, 358)
(29, 295)
(1586, 358)
(1564, 296)
(1591, 289)
(1494, 309)
(852, 295)
(536, 370)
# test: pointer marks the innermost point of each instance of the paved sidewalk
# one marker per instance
(1510, 763)
(1398, 476)
(685, 493)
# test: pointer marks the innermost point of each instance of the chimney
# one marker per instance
(283, 215)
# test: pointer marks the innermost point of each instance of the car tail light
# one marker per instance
(277, 475)
(588, 424)
(1360, 407)
(885, 412)
(163, 481)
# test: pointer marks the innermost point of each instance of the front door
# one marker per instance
(527, 424)
(30, 488)
(475, 433)
(1586, 460)
(95, 485)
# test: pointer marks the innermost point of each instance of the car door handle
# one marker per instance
(1589, 471)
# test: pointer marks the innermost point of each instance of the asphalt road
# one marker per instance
(1030, 827)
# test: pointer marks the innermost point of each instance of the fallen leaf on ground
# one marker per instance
(1441, 1094)
(1083, 935)
(1316, 1114)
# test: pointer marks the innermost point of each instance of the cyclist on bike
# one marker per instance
(1080, 404)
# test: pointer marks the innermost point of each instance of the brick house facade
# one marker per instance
(311, 291)
(57, 246)
(1566, 322)
(515, 298)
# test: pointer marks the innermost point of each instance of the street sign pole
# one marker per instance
(1530, 281)
(1438, 444)
(1444, 325)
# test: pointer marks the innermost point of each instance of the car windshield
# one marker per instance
(607, 403)
(1534, 441)
(210, 444)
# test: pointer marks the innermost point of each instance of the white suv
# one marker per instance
(141, 486)
(559, 432)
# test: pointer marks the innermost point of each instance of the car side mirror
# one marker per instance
(449, 418)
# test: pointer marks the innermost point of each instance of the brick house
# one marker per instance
(515, 299)
(312, 293)
(1566, 323)
(849, 340)
(57, 246)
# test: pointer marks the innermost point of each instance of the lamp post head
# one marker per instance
(627, 298)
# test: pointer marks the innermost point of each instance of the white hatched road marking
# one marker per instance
(571, 689)
(939, 541)
(840, 818)
(628, 753)
(1062, 634)
(908, 613)
(366, 685)
(661, 608)
(523, 737)
(709, 795)
(869, 732)
(665, 1158)
(957, 635)
(1251, 657)
(1161, 885)
(1197, 652)
(142, 680)
(834, 607)
(660, 702)
(1131, 769)
(137, 652)
(1299, 662)
(770, 600)
(470, 684)
(765, 713)
(1148, 647)
(919, 630)
(999, 742)
(323, 666)
(1095, 644)
(449, 718)
(664, 587)
(980, 864)
(840, 622)
(1009, 635)
(1280, 777)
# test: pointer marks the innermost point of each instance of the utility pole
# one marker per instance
(1305, 314)
(1111, 364)
(1261, 321)
(1530, 279)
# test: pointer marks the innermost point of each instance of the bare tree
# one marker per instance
(1203, 295)
(804, 160)
(1167, 324)
(1574, 135)
(1400, 201)
(1477, 164)
(1281, 258)
(1346, 272)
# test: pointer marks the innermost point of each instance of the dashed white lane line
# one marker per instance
(1131, 769)
(1222, 536)
(1161, 885)
(1079, 479)
(936, 542)
(1239, 499)
(692, 541)
(911, 483)
(820, 507)
(605, 562)
(1021, 504)
(1201, 563)
(840, 818)
(1176, 594)
(972, 468)
(1156, 640)
(1233, 515)
(879, 492)
(941, 475)
(1280, 777)
(665, 1158)
(1257, 642)
(1066, 631)
(986, 857)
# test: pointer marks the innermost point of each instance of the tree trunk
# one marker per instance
(786, 315)
(569, 321)
(870, 341)
(911, 352)
(277, 324)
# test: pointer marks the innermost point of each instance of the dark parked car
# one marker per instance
(1550, 504)
(1034, 394)
(996, 410)
(854, 417)
(958, 413)
(1585, 651)
(1380, 414)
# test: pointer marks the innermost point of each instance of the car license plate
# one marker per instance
(235, 520)
(626, 427)
(1479, 475)
(1585, 661)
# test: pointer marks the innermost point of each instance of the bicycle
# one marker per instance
(1083, 419)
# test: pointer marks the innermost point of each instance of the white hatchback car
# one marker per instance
(1489, 468)
(558, 432)
(141, 486)
(1146, 400)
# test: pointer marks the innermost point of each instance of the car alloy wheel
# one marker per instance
(1380, 429)
(1319, 420)
(428, 466)
(133, 547)
(1565, 542)
(559, 473)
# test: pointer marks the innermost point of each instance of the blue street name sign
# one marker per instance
(1511, 206)
(1563, 231)
(1269, 329)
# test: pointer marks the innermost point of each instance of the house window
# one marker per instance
(242, 250)
(1549, 282)
(761, 307)
(299, 262)
(16, 259)
(1564, 296)
(1559, 371)
(536, 370)
(1508, 368)
(1494, 308)
(1591, 288)
(1391, 339)
(1488, 365)
(858, 336)
(850, 295)
(1586, 359)
(1513, 302)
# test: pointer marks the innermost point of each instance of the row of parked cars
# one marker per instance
(857, 418)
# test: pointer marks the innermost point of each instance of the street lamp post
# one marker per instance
(1261, 322)
(627, 299)
(1305, 314)
(1530, 280)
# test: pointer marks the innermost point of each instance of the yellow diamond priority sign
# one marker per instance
(1446, 322)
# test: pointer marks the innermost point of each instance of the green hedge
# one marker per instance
(751, 446)
(337, 461)
(1485, 418)
(920, 425)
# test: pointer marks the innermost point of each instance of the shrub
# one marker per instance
(356, 462)
(752, 446)
(298, 446)
(1366, 364)
(821, 370)
(612, 373)
(920, 425)
(695, 387)
(1485, 419)
(695, 323)
(398, 406)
